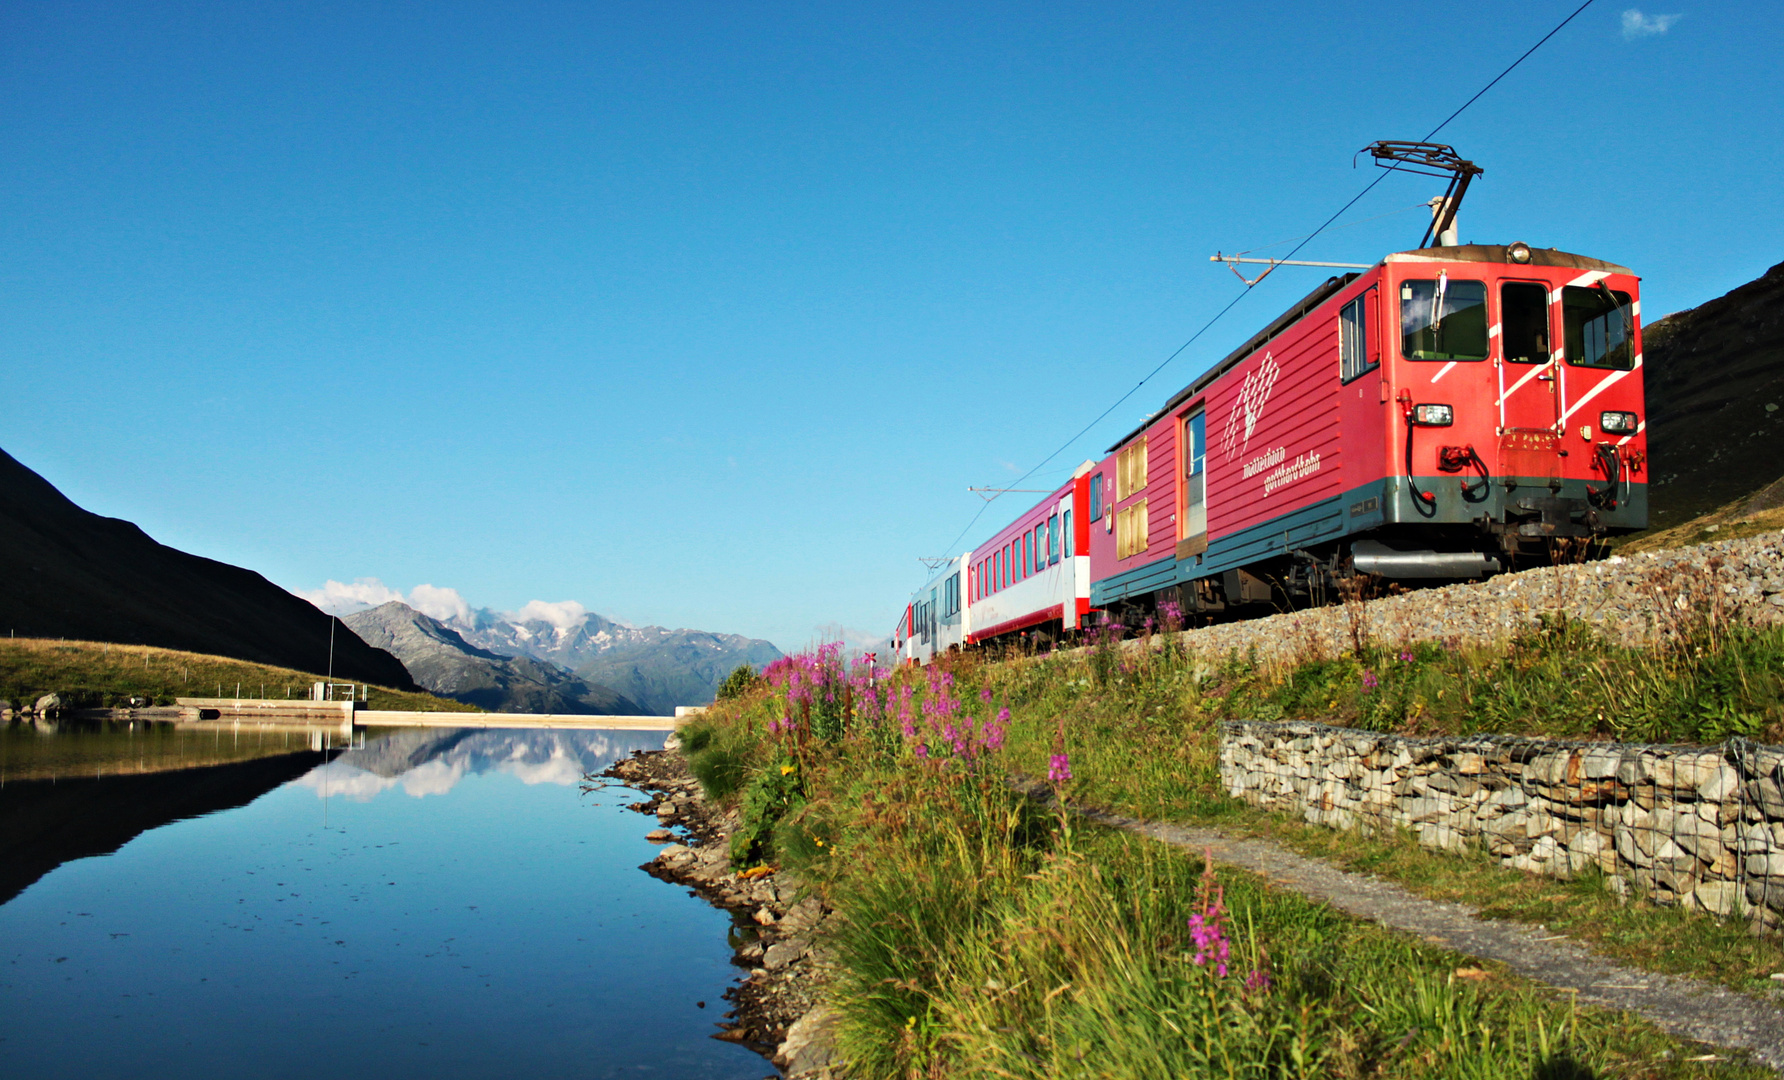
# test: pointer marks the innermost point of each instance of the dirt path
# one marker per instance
(1683, 1007)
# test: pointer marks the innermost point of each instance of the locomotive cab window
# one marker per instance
(1353, 341)
(1524, 308)
(1445, 319)
(1599, 326)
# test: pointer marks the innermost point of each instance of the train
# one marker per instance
(1447, 414)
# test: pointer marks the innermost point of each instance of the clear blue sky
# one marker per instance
(708, 314)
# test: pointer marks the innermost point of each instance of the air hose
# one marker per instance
(1424, 500)
(1606, 497)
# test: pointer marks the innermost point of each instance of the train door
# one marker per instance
(1529, 392)
(1362, 395)
(1192, 530)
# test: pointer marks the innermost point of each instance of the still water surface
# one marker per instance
(436, 903)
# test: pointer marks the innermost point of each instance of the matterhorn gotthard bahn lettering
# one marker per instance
(1248, 409)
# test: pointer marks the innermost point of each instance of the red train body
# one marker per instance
(1445, 414)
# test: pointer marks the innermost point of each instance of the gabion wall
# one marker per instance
(1701, 826)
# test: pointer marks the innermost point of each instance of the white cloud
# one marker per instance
(1636, 25)
(339, 780)
(563, 614)
(340, 598)
(445, 605)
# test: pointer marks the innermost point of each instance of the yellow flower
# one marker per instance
(785, 769)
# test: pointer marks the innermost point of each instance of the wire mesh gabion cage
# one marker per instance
(1700, 826)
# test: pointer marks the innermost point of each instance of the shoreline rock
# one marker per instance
(775, 1009)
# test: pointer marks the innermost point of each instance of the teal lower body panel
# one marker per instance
(1386, 505)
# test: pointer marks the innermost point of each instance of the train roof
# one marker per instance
(1493, 253)
(1301, 307)
(1500, 253)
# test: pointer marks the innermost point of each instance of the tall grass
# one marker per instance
(981, 935)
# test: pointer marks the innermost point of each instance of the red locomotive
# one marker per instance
(1450, 412)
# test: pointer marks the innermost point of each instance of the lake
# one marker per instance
(437, 902)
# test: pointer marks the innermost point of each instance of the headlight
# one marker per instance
(1519, 253)
(1433, 415)
(1617, 423)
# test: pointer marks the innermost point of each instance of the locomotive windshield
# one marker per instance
(1443, 319)
(1598, 326)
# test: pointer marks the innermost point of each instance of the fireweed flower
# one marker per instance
(1370, 682)
(1207, 928)
(1258, 982)
(1059, 769)
(1405, 657)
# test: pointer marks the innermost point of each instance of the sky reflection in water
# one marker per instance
(439, 903)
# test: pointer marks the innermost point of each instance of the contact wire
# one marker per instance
(1246, 291)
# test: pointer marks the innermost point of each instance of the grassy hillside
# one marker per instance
(91, 674)
(1750, 515)
(980, 935)
(69, 573)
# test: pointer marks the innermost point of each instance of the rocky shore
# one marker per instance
(775, 1009)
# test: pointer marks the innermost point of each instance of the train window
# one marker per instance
(1052, 539)
(1096, 496)
(1443, 319)
(1524, 313)
(1130, 470)
(1599, 325)
(1065, 534)
(1040, 547)
(1353, 341)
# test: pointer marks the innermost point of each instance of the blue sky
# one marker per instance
(708, 314)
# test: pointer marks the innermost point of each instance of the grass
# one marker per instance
(981, 936)
(1146, 743)
(91, 674)
(1750, 515)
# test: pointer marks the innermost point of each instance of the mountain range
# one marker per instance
(654, 666)
(442, 661)
(68, 573)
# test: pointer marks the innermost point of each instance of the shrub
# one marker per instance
(742, 680)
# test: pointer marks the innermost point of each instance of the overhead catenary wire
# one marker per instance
(1309, 238)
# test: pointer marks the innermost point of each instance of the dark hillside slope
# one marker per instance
(1715, 385)
(68, 573)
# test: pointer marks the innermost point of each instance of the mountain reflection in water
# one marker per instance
(435, 902)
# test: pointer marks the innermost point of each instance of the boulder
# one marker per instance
(810, 1044)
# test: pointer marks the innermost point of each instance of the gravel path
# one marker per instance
(1684, 1007)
